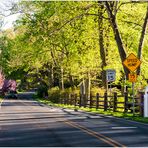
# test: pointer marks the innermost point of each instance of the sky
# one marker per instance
(8, 19)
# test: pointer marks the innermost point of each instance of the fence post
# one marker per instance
(141, 103)
(91, 101)
(67, 99)
(75, 97)
(61, 100)
(64, 99)
(125, 101)
(84, 100)
(71, 99)
(80, 100)
(105, 101)
(115, 102)
(97, 100)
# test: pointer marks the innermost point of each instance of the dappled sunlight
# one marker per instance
(117, 131)
(22, 121)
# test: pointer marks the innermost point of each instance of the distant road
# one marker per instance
(27, 123)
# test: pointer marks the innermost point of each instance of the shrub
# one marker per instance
(95, 90)
(42, 91)
(54, 94)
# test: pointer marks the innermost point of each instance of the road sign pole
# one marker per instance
(133, 87)
(110, 87)
(124, 83)
(106, 86)
(132, 63)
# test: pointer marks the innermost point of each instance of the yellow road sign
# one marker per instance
(132, 62)
(132, 77)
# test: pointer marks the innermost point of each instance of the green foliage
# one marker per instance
(131, 18)
(55, 35)
(54, 94)
(42, 91)
(140, 83)
(95, 90)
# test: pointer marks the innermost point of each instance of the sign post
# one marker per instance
(132, 63)
(110, 77)
(133, 94)
(132, 77)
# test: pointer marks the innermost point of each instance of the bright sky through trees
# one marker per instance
(8, 21)
(6, 15)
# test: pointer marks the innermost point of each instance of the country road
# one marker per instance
(26, 123)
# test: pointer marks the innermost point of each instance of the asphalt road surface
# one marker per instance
(27, 123)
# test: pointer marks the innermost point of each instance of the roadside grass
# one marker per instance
(1, 98)
(128, 116)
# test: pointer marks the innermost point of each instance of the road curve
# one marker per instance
(26, 123)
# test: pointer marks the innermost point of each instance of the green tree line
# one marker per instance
(62, 43)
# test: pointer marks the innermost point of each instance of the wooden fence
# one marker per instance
(115, 103)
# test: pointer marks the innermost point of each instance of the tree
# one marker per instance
(112, 10)
(141, 40)
(63, 43)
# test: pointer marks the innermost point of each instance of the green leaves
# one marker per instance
(64, 35)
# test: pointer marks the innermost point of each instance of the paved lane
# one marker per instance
(24, 122)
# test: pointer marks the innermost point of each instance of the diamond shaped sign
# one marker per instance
(132, 62)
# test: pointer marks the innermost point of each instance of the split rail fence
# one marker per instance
(115, 103)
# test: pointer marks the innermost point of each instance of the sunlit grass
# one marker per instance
(1, 98)
(97, 111)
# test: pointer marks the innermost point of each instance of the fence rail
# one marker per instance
(115, 103)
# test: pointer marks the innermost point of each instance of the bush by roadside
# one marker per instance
(42, 91)
(54, 94)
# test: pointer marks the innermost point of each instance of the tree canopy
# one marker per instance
(62, 42)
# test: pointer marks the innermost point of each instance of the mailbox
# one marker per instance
(146, 102)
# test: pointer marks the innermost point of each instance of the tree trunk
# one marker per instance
(101, 42)
(87, 86)
(118, 39)
(141, 41)
(62, 79)
(51, 76)
(71, 80)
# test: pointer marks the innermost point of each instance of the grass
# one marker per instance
(1, 98)
(128, 116)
